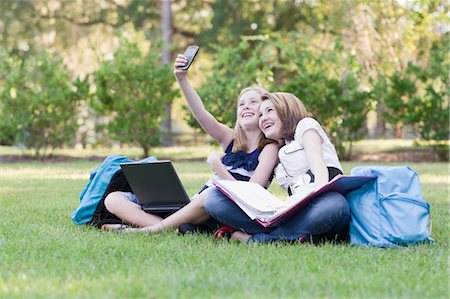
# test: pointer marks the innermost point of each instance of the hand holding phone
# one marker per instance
(190, 54)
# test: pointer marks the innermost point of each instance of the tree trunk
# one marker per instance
(146, 150)
(398, 131)
(380, 131)
(167, 30)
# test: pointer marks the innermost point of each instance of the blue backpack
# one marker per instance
(94, 191)
(390, 211)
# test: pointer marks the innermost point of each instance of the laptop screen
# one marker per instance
(155, 183)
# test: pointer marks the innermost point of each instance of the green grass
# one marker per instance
(383, 145)
(201, 151)
(44, 255)
(370, 146)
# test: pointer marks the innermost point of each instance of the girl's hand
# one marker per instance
(214, 158)
(180, 61)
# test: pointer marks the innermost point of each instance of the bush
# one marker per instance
(39, 104)
(420, 96)
(430, 110)
(131, 92)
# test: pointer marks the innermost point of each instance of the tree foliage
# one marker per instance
(131, 91)
(431, 111)
(331, 90)
(39, 104)
(420, 96)
(342, 56)
(427, 104)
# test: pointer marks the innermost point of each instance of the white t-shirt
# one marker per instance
(293, 164)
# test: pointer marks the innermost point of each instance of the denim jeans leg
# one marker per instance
(321, 216)
(340, 233)
(224, 210)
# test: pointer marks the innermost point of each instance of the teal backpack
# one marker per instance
(93, 193)
(390, 211)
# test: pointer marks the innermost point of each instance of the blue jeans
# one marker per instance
(326, 218)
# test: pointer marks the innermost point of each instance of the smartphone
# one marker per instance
(190, 53)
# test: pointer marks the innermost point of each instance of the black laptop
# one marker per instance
(156, 185)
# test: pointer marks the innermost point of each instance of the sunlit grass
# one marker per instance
(44, 255)
(370, 146)
(201, 150)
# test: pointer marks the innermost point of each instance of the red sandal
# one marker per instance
(224, 232)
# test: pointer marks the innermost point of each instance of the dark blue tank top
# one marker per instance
(240, 164)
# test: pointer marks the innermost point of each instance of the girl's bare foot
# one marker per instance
(125, 228)
(240, 236)
(114, 227)
(132, 230)
(151, 229)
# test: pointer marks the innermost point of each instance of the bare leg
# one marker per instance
(191, 213)
(117, 204)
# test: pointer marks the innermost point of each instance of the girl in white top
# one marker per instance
(294, 170)
(308, 155)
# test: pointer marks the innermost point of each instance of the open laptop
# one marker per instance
(156, 185)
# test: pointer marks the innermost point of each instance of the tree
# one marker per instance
(419, 96)
(151, 17)
(230, 19)
(167, 30)
(18, 27)
(397, 92)
(429, 108)
(386, 36)
(39, 103)
(132, 90)
(331, 90)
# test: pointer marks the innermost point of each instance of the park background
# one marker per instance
(98, 73)
(82, 79)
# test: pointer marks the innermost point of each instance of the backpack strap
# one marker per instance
(102, 215)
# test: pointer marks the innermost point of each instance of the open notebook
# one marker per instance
(267, 209)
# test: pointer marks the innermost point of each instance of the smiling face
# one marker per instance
(269, 121)
(248, 108)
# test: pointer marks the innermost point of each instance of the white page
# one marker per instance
(252, 195)
(301, 193)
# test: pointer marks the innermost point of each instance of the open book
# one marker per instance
(267, 209)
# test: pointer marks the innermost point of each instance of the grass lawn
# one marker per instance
(44, 255)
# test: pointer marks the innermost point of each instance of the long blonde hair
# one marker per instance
(289, 109)
(240, 138)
